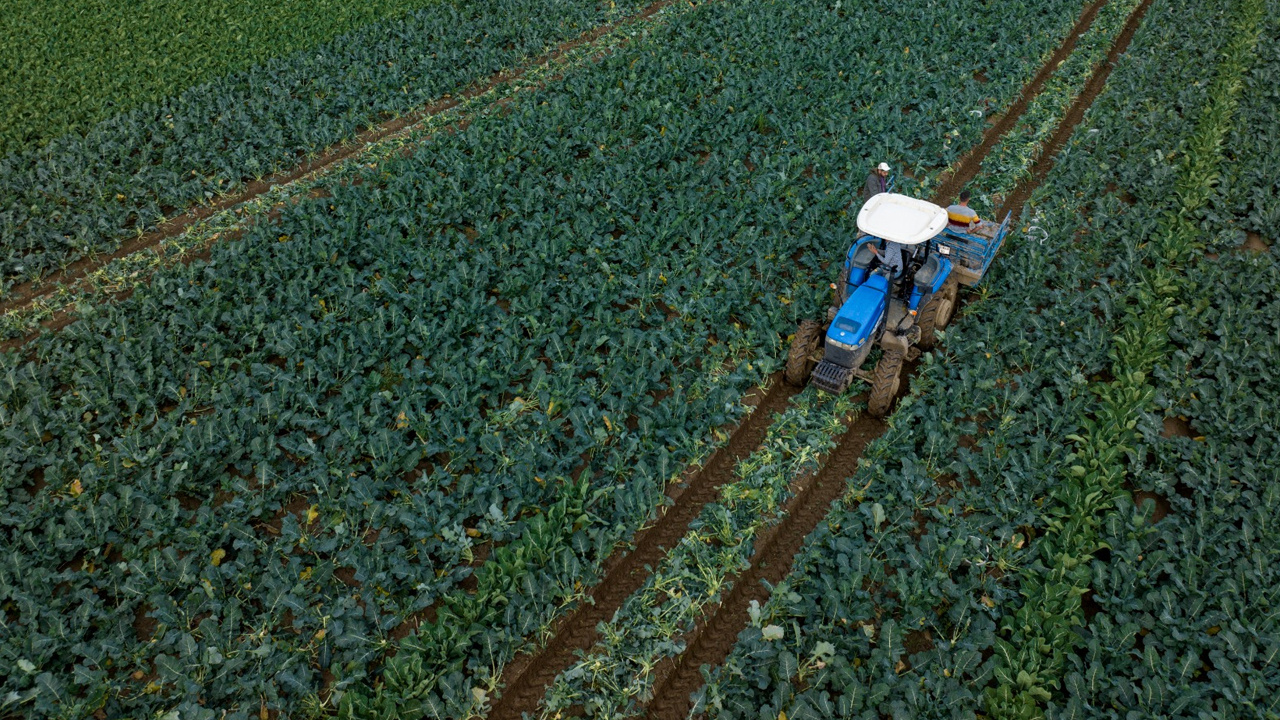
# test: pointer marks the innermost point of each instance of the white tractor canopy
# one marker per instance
(901, 219)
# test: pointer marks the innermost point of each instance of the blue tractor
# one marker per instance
(897, 288)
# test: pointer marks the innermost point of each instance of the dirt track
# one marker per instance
(528, 676)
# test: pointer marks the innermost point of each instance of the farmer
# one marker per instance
(877, 182)
(963, 218)
(960, 216)
(894, 255)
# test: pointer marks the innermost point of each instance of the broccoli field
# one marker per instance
(424, 360)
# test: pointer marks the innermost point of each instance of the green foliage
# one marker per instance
(84, 191)
(367, 405)
(1039, 638)
(1186, 623)
(72, 63)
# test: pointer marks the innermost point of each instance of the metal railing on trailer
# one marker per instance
(972, 252)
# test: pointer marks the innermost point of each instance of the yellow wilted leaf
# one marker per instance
(306, 573)
(216, 557)
(320, 634)
(152, 688)
(472, 532)
(782, 715)
(313, 512)
(76, 488)
(608, 425)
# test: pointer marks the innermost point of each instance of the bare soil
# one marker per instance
(1254, 243)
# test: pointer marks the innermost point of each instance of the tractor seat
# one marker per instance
(863, 256)
(928, 273)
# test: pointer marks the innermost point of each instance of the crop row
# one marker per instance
(443, 395)
(51, 301)
(1040, 638)
(1182, 600)
(83, 193)
(797, 129)
(616, 678)
(63, 77)
(914, 606)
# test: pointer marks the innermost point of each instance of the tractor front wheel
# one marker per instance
(803, 347)
(937, 314)
(886, 378)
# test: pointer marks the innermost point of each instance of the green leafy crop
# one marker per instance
(72, 63)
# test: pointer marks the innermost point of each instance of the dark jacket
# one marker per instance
(874, 185)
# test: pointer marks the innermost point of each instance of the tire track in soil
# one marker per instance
(24, 294)
(966, 169)
(1067, 126)
(711, 641)
(528, 676)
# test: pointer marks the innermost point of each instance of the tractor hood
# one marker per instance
(901, 219)
(860, 314)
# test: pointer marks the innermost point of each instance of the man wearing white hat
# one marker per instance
(877, 182)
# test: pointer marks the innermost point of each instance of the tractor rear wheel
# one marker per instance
(885, 381)
(937, 314)
(803, 347)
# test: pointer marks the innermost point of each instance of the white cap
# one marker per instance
(883, 166)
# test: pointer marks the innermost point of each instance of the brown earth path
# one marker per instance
(713, 639)
(24, 294)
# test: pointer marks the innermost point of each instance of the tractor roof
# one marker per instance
(901, 219)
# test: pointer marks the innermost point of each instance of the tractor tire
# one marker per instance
(800, 358)
(936, 315)
(886, 378)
